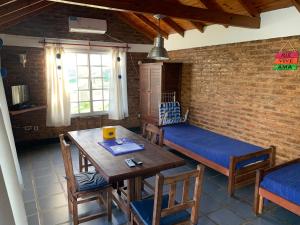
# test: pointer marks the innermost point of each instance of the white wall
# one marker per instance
(10, 174)
(277, 23)
(7, 122)
(5, 209)
(10, 167)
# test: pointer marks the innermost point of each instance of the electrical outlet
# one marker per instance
(139, 115)
(35, 128)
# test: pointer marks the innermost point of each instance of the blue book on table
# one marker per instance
(128, 146)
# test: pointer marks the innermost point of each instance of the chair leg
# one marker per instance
(109, 204)
(86, 164)
(80, 162)
(260, 204)
(75, 212)
(70, 205)
(131, 219)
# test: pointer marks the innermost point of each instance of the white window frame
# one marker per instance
(89, 51)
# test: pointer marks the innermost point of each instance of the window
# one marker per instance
(88, 75)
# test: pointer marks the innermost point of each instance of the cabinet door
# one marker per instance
(145, 104)
(155, 93)
(145, 78)
(144, 91)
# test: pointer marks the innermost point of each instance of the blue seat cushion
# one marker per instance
(212, 146)
(284, 182)
(90, 180)
(144, 209)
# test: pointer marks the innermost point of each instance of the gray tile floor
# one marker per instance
(46, 202)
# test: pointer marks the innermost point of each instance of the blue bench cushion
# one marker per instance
(210, 145)
(144, 209)
(90, 180)
(284, 182)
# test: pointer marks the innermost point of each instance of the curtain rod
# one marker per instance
(89, 45)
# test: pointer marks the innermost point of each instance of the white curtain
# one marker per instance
(58, 97)
(118, 103)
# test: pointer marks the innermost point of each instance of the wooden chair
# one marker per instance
(155, 136)
(80, 191)
(163, 209)
(83, 163)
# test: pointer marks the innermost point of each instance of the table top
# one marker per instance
(114, 168)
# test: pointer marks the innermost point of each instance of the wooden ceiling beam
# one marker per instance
(248, 6)
(122, 16)
(211, 4)
(171, 23)
(296, 3)
(151, 24)
(6, 2)
(22, 13)
(175, 10)
(198, 25)
(16, 6)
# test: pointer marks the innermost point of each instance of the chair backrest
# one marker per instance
(186, 202)
(66, 153)
(153, 134)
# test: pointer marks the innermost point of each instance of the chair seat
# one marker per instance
(144, 209)
(284, 182)
(87, 181)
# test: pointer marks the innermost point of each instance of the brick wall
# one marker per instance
(34, 76)
(232, 89)
(53, 23)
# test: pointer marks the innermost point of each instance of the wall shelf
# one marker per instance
(35, 108)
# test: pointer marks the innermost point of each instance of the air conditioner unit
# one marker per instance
(87, 25)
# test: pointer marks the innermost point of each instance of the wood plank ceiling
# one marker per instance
(181, 15)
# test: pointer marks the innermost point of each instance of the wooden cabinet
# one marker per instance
(155, 79)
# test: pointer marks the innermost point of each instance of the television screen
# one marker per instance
(20, 94)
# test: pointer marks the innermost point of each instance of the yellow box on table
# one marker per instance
(109, 132)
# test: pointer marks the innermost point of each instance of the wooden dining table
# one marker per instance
(114, 168)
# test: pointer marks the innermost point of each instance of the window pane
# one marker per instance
(70, 58)
(95, 59)
(73, 83)
(74, 96)
(105, 94)
(106, 60)
(97, 95)
(84, 95)
(106, 73)
(83, 71)
(84, 107)
(105, 84)
(98, 106)
(106, 105)
(83, 84)
(74, 108)
(69, 61)
(97, 83)
(82, 59)
(95, 71)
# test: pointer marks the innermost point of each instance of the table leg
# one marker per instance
(134, 190)
(130, 190)
(133, 193)
(138, 188)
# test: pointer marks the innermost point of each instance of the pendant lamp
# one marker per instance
(158, 52)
